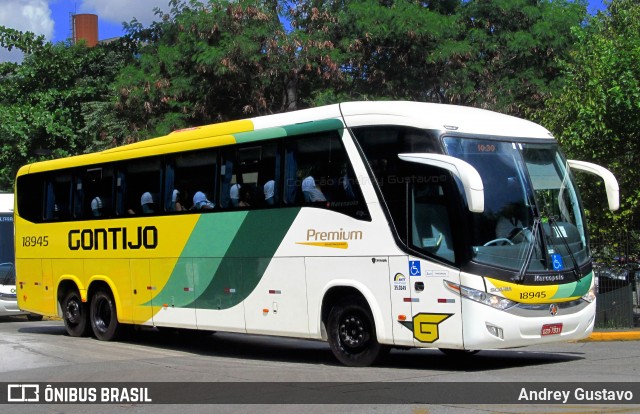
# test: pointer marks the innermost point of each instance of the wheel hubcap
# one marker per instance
(103, 315)
(352, 331)
(73, 312)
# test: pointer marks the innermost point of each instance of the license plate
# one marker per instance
(551, 329)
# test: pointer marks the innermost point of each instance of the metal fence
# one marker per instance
(617, 273)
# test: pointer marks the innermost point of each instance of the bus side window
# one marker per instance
(98, 191)
(30, 196)
(318, 173)
(187, 174)
(137, 178)
(58, 197)
(430, 222)
(257, 175)
(229, 178)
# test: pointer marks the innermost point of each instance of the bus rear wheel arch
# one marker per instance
(351, 332)
(103, 315)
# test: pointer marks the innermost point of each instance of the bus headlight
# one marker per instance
(481, 297)
(590, 296)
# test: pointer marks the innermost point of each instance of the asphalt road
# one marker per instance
(41, 352)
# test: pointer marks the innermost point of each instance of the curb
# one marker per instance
(613, 336)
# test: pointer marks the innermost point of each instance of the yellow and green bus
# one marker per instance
(369, 225)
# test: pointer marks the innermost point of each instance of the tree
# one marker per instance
(43, 99)
(394, 49)
(514, 48)
(202, 62)
(596, 115)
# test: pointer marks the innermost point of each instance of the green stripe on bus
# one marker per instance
(201, 257)
(312, 127)
(260, 135)
(290, 130)
(225, 258)
(577, 288)
(248, 256)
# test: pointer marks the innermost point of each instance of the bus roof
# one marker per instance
(417, 114)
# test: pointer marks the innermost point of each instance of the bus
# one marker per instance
(8, 299)
(368, 225)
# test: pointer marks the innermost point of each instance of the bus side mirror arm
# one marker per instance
(465, 172)
(610, 182)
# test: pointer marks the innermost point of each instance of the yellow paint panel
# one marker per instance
(524, 293)
(147, 151)
(116, 274)
(98, 254)
(29, 287)
(112, 239)
(141, 287)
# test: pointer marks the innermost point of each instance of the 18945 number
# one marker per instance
(533, 295)
(35, 241)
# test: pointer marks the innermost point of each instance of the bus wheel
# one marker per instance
(104, 319)
(352, 335)
(75, 314)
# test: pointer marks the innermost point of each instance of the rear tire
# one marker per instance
(75, 314)
(104, 317)
(352, 333)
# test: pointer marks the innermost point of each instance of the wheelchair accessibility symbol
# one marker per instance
(414, 268)
(556, 261)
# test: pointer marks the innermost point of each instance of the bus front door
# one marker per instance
(427, 314)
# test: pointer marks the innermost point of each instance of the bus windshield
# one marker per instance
(532, 218)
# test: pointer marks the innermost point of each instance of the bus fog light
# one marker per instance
(495, 331)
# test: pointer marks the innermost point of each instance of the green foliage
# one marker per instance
(596, 115)
(514, 47)
(204, 62)
(42, 100)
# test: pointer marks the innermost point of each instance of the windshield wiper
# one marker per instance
(559, 234)
(534, 241)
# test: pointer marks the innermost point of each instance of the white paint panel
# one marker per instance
(282, 292)
(367, 274)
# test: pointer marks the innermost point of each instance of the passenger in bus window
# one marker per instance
(245, 198)
(234, 194)
(96, 207)
(200, 202)
(146, 201)
(269, 192)
(312, 193)
(346, 184)
(176, 201)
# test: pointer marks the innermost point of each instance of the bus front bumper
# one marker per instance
(487, 328)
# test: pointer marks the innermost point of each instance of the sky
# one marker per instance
(51, 18)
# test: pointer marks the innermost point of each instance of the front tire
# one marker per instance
(75, 314)
(104, 317)
(352, 333)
